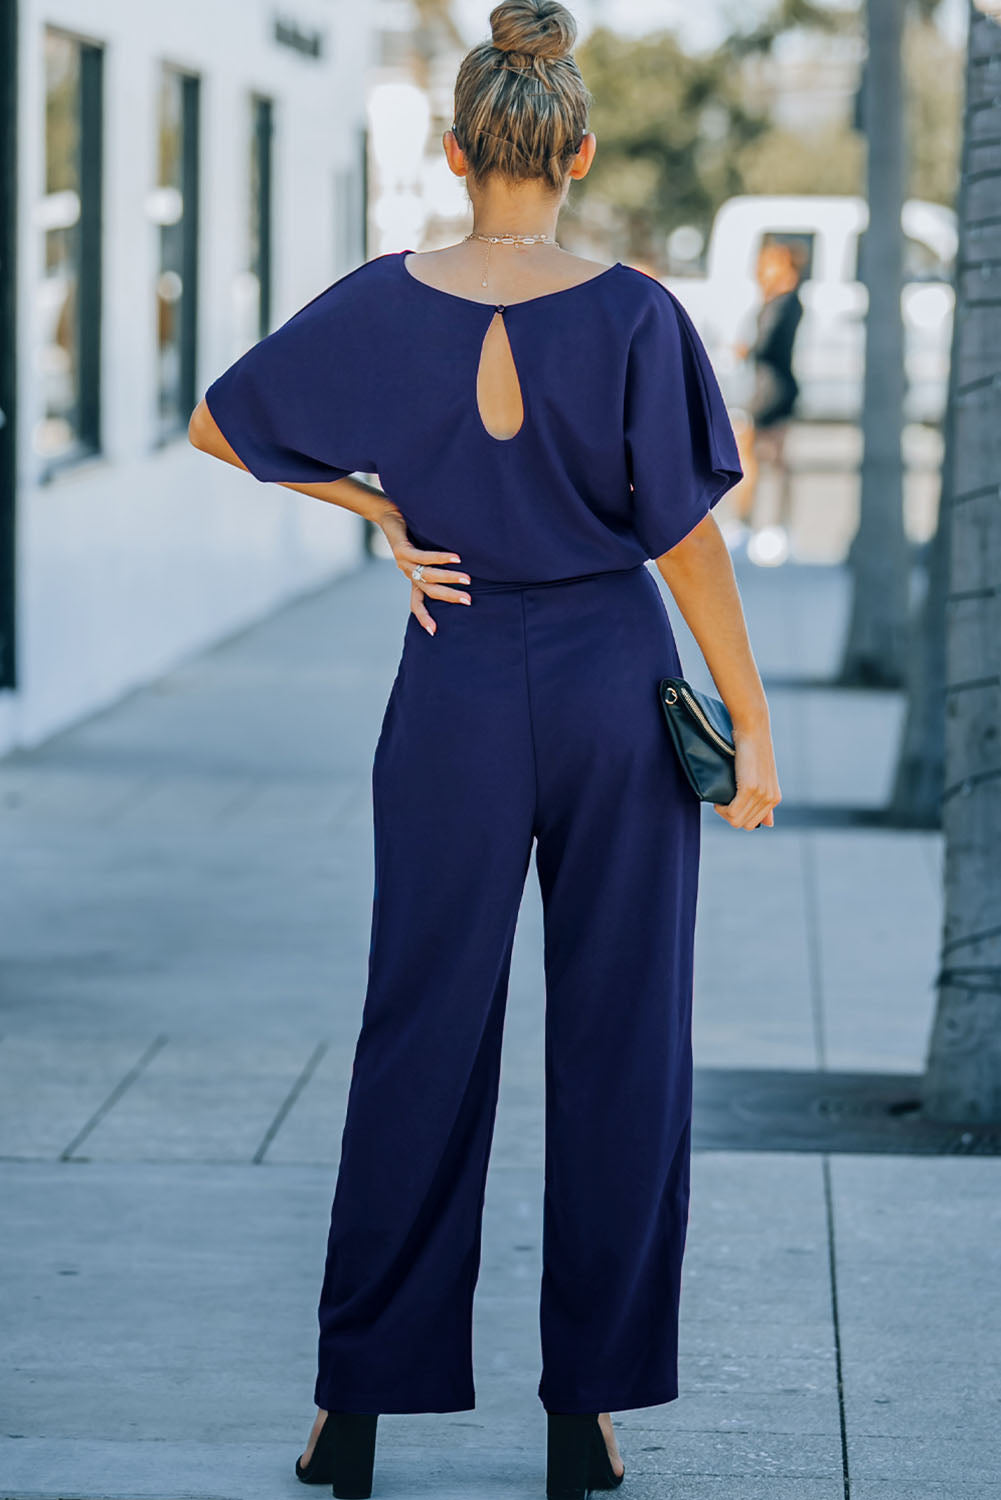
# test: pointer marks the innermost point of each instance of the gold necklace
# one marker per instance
(509, 239)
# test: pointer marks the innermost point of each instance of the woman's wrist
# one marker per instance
(391, 520)
(382, 512)
(376, 506)
(750, 722)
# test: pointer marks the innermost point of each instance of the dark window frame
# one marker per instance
(262, 206)
(8, 344)
(90, 259)
(189, 261)
(91, 239)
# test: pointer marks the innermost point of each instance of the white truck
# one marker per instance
(830, 343)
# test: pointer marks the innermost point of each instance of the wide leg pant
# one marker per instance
(531, 714)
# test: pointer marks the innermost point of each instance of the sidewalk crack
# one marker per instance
(839, 1368)
(69, 1152)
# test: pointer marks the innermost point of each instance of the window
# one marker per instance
(173, 207)
(349, 209)
(259, 227)
(69, 356)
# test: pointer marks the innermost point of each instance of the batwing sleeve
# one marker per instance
(298, 406)
(680, 446)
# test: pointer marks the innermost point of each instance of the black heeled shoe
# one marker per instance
(343, 1456)
(577, 1459)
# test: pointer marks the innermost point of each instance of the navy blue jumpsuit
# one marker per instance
(529, 717)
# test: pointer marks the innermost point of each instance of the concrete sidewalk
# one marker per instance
(183, 958)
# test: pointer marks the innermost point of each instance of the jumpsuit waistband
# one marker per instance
(496, 586)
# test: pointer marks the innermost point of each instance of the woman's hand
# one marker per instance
(699, 572)
(433, 580)
(757, 781)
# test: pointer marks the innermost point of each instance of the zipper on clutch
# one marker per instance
(710, 731)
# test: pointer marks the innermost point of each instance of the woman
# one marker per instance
(541, 425)
(778, 272)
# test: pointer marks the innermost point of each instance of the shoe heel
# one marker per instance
(353, 1457)
(569, 1453)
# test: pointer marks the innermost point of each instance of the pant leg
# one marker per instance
(617, 855)
(453, 794)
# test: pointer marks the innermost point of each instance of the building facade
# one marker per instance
(177, 180)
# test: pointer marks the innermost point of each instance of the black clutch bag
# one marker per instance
(702, 733)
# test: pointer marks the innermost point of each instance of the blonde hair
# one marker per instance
(520, 101)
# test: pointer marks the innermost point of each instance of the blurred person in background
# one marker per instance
(762, 426)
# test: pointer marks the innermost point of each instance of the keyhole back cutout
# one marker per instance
(498, 391)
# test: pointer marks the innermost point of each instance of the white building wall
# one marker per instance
(130, 561)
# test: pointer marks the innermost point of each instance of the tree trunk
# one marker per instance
(875, 649)
(963, 1071)
(916, 799)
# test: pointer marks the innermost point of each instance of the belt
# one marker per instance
(497, 586)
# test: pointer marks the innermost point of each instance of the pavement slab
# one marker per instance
(182, 964)
(918, 1250)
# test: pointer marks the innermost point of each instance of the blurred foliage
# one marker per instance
(792, 15)
(679, 134)
(667, 124)
(933, 73)
(828, 160)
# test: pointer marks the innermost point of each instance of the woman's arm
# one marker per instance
(363, 500)
(700, 575)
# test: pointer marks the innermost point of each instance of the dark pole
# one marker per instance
(875, 650)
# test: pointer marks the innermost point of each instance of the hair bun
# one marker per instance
(533, 28)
